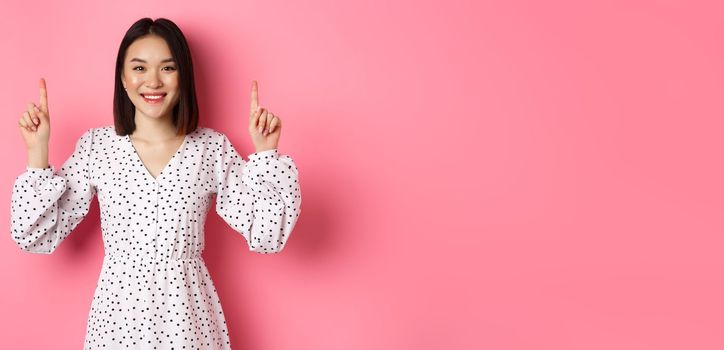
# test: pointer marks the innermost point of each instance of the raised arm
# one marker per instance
(45, 206)
(261, 199)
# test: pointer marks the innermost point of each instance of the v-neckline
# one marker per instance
(164, 169)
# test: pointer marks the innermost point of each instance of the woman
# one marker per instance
(155, 172)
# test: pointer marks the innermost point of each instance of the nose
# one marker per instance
(153, 81)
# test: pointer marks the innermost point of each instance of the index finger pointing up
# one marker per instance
(254, 96)
(43, 96)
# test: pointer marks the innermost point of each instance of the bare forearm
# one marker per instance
(38, 157)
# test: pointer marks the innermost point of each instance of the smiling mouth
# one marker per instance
(153, 99)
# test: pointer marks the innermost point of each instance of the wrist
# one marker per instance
(38, 164)
(38, 157)
(263, 154)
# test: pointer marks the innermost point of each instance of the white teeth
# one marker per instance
(153, 97)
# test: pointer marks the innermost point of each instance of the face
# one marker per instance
(150, 77)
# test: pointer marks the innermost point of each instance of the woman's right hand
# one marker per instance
(35, 122)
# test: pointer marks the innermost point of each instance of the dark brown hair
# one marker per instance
(185, 116)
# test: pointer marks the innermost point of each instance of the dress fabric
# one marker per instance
(154, 290)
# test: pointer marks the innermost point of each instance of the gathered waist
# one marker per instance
(151, 257)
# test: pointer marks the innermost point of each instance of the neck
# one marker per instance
(154, 129)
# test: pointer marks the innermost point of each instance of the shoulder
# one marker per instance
(99, 135)
(103, 132)
(210, 133)
(88, 136)
(212, 138)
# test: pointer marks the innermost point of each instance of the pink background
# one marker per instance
(475, 174)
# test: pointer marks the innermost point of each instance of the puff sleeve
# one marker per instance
(46, 207)
(259, 198)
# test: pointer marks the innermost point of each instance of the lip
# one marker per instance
(154, 101)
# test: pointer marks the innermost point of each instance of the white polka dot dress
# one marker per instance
(154, 291)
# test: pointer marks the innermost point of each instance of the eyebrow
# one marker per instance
(142, 61)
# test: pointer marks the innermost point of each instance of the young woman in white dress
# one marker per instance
(154, 172)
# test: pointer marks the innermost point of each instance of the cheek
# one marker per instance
(171, 81)
(172, 84)
(134, 81)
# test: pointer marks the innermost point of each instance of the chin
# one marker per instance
(153, 114)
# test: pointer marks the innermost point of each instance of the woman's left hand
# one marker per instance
(264, 127)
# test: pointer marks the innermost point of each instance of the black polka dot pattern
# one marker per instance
(154, 291)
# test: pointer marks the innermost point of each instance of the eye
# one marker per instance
(136, 68)
(171, 68)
